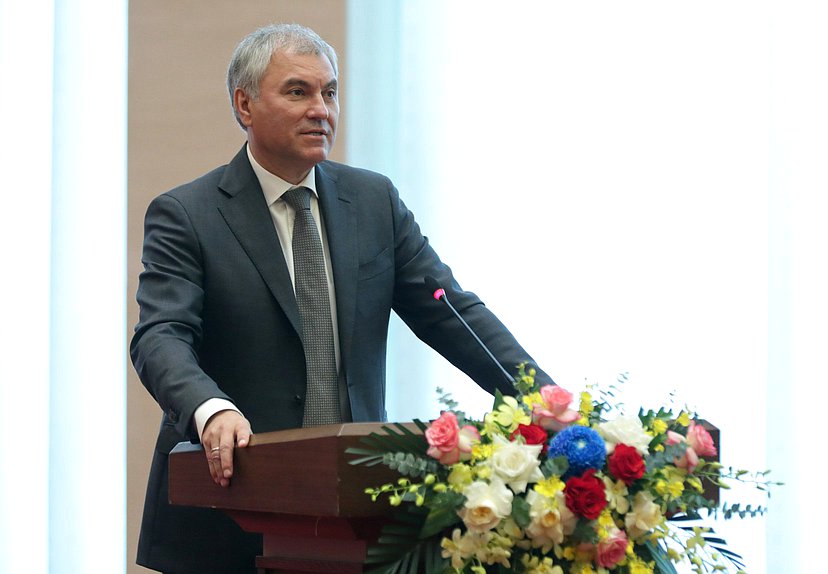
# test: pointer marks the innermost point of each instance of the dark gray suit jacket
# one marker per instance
(219, 319)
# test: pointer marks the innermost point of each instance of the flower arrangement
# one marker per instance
(545, 486)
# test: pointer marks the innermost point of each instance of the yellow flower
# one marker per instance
(460, 477)
(550, 486)
(536, 565)
(483, 471)
(616, 492)
(586, 406)
(582, 568)
(637, 566)
(697, 539)
(683, 419)
(532, 400)
(481, 451)
(509, 530)
(659, 427)
(672, 484)
(455, 549)
(606, 522)
(510, 414)
(695, 483)
(669, 489)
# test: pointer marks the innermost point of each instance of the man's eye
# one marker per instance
(331, 94)
(295, 92)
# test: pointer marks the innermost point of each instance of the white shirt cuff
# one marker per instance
(207, 409)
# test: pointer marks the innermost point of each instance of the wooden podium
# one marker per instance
(296, 488)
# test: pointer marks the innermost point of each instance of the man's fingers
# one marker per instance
(226, 458)
(222, 432)
(243, 436)
(213, 462)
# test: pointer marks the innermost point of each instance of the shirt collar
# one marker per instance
(274, 186)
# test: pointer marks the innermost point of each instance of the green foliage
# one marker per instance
(409, 465)
(658, 460)
(398, 439)
(520, 511)
(400, 550)
(442, 512)
(445, 399)
(554, 466)
(584, 532)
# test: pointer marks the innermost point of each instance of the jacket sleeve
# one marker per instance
(164, 348)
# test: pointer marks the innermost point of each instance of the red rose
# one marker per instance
(532, 434)
(626, 464)
(585, 495)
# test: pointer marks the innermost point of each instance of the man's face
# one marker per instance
(292, 125)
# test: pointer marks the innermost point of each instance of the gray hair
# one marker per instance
(252, 56)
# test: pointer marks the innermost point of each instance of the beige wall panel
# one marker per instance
(181, 126)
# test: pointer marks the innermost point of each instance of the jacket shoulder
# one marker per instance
(350, 175)
(198, 188)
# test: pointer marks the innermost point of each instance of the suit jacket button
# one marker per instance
(298, 399)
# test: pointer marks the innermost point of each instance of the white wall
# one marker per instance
(632, 187)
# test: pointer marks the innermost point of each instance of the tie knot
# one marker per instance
(298, 198)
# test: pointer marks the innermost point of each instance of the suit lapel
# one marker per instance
(338, 213)
(245, 210)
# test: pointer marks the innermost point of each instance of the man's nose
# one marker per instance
(319, 108)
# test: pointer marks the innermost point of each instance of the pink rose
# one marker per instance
(689, 459)
(612, 549)
(448, 443)
(674, 438)
(699, 443)
(700, 440)
(554, 414)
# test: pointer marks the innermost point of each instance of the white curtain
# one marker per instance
(62, 306)
(632, 187)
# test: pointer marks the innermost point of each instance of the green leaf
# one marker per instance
(400, 551)
(520, 511)
(442, 513)
(555, 466)
(585, 531)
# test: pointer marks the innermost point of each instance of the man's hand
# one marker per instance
(224, 431)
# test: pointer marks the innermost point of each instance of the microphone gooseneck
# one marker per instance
(440, 294)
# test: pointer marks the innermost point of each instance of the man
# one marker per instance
(232, 335)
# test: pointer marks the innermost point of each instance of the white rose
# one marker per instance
(644, 516)
(625, 430)
(516, 464)
(487, 503)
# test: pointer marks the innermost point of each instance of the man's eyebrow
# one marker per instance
(305, 84)
(296, 82)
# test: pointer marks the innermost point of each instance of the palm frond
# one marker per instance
(400, 550)
(659, 555)
(397, 438)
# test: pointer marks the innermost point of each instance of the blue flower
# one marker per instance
(583, 448)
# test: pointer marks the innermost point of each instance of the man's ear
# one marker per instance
(241, 101)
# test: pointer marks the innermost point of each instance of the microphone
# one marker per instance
(440, 294)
